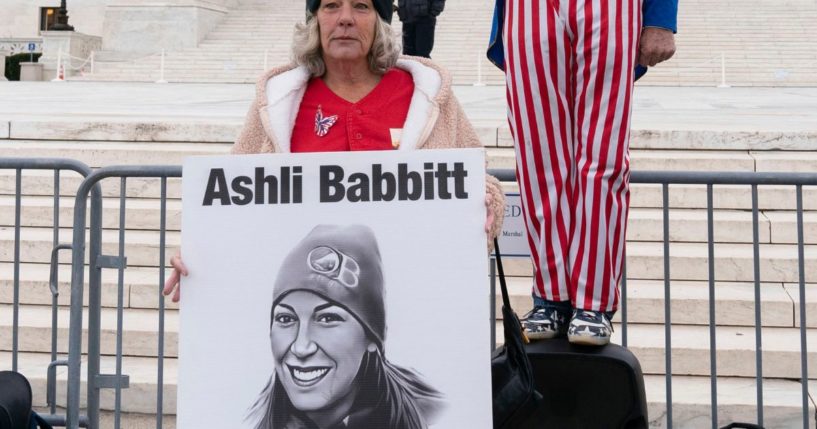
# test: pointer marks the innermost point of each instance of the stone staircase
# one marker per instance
(168, 143)
(763, 43)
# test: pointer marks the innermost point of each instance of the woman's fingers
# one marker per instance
(177, 295)
(172, 283)
(178, 265)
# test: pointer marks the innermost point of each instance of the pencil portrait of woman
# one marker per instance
(327, 335)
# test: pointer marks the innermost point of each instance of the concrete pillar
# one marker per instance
(31, 72)
(71, 43)
(3, 66)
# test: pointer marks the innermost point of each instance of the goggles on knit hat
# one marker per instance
(342, 265)
(384, 8)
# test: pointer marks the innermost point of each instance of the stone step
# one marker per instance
(770, 197)
(735, 350)
(141, 247)
(685, 146)
(139, 337)
(644, 224)
(691, 397)
(734, 303)
(106, 130)
(688, 261)
(758, 49)
(736, 197)
(41, 183)
(778, 261)
(698, 160)
(737, 402)
(100, 154)
(141, 286)
(794, 291)
(140, 214)
(690, 344)
(796, 162)
(669, 160)
(691, 226)
(140, 397)
(730, 226)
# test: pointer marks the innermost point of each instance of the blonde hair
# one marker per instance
(307, 51)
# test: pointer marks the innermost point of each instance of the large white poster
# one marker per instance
(342, 290)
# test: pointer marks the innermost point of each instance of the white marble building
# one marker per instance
(126, 27)
(21, 18)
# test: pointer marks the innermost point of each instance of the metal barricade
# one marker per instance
(95, 379)
(57, 166)
(710, 180)
(117, 381)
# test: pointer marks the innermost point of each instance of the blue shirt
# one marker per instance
(655, 13)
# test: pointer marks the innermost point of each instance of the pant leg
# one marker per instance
(409, 36)
(538, 59)
(424, 35)
(605, 46)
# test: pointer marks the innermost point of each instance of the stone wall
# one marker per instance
(134, 27)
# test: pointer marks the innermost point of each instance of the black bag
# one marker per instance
(515, 398)
(588, 387)
(15, 403)
(740, 425)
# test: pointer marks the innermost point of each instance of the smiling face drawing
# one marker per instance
(318, 347)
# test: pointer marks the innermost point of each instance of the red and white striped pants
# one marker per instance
(569, 73)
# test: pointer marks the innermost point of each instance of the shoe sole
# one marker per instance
(583, 340)
(543, 335)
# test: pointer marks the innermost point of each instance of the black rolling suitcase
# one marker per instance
(588, 387)
(575, 387)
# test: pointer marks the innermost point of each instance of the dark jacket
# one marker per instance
(411, 10)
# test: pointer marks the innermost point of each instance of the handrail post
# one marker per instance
(162, 69)
(94, 307)
(77, 284)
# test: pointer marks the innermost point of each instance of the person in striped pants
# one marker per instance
(570, 66)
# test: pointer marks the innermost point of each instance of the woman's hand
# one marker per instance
(489, 218)
(173, 281)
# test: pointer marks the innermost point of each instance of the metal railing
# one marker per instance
(710, 180)
(96, 380)
(57, 166)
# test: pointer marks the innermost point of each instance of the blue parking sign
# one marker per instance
(32, 46)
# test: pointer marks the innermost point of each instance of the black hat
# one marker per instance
(342, 264)
(384, 8)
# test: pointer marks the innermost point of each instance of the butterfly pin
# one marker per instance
(322, 124)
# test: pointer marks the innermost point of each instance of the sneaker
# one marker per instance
(590, 328)
(545, 323)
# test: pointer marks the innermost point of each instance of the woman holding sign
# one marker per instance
(348, 90)
(327, 331)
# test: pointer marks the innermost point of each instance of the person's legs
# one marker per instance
(409, 37)
(424, 36)
(538, 63)
(605, 48)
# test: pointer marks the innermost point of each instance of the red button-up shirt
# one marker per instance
(359, 126)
